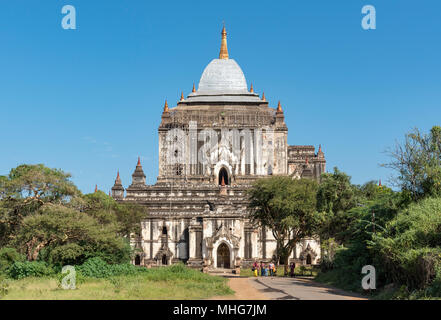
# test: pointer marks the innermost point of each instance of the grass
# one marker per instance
(299, 271)
(156, 284)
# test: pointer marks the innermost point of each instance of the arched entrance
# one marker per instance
(223, 256)
(223, 174)
(308, 259)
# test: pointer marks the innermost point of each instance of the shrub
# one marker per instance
(98, 268)
(7, 257)
(66, 254)
(20, 270)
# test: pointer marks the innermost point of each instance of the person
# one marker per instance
(274, 269)
(255, 268)
(293, 267)
(262, 269)
(271, 269)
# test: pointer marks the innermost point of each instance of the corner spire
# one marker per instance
(96, 188)
(166, 106)
(223, 54)
(118, 180)
(251, 89)
(279, 108)
(263, 96)
(139, 162)
(194, 89)
(182, 96)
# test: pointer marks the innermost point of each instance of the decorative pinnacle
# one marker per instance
(251, 89)
(139, 162)
(118, 179)
(320, 148)
(182, 96)
(263, 96)
(279, 108)
(96, 188)
(166, 106)
(194, 89)
(379, 184)
(223, 54)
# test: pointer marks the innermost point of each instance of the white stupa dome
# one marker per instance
(222, 76)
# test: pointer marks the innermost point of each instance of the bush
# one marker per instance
(98, 268)
(20, 270)
(7, 257)
(67, 254)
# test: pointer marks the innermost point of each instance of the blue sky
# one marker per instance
(89, 101)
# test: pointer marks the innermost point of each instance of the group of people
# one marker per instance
(264, 270)
(270, 269)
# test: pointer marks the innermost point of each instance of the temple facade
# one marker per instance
(213, 145)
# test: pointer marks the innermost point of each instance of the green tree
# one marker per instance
(418, 163)
(288, 208)
(57, 228)
(335, 192)
(25, 190)
(336, 195)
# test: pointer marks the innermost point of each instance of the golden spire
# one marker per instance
(263, 96)
(279, 108)
(251, 89)
(223, 54)
(166, 106)
(182, 96)
(194, 89)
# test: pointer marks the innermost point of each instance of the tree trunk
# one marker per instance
(31, 253)
(286, 258)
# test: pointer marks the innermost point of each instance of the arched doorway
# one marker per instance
(223, 256)
(223, 173)
(137, 260)
(308, 259)
(164, 260)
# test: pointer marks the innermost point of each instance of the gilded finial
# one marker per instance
(166, 106)
(279, 108)
(96, 188)
(182, 96)
(194, 89)
(139, 162)
(223, 54)
(251, 89)
(263, 96)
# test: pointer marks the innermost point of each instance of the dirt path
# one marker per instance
(243, 289)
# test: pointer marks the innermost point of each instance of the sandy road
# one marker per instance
(277, 288)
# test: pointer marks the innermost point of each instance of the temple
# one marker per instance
(213, 145)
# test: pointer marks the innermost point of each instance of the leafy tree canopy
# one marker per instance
(287, 207)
